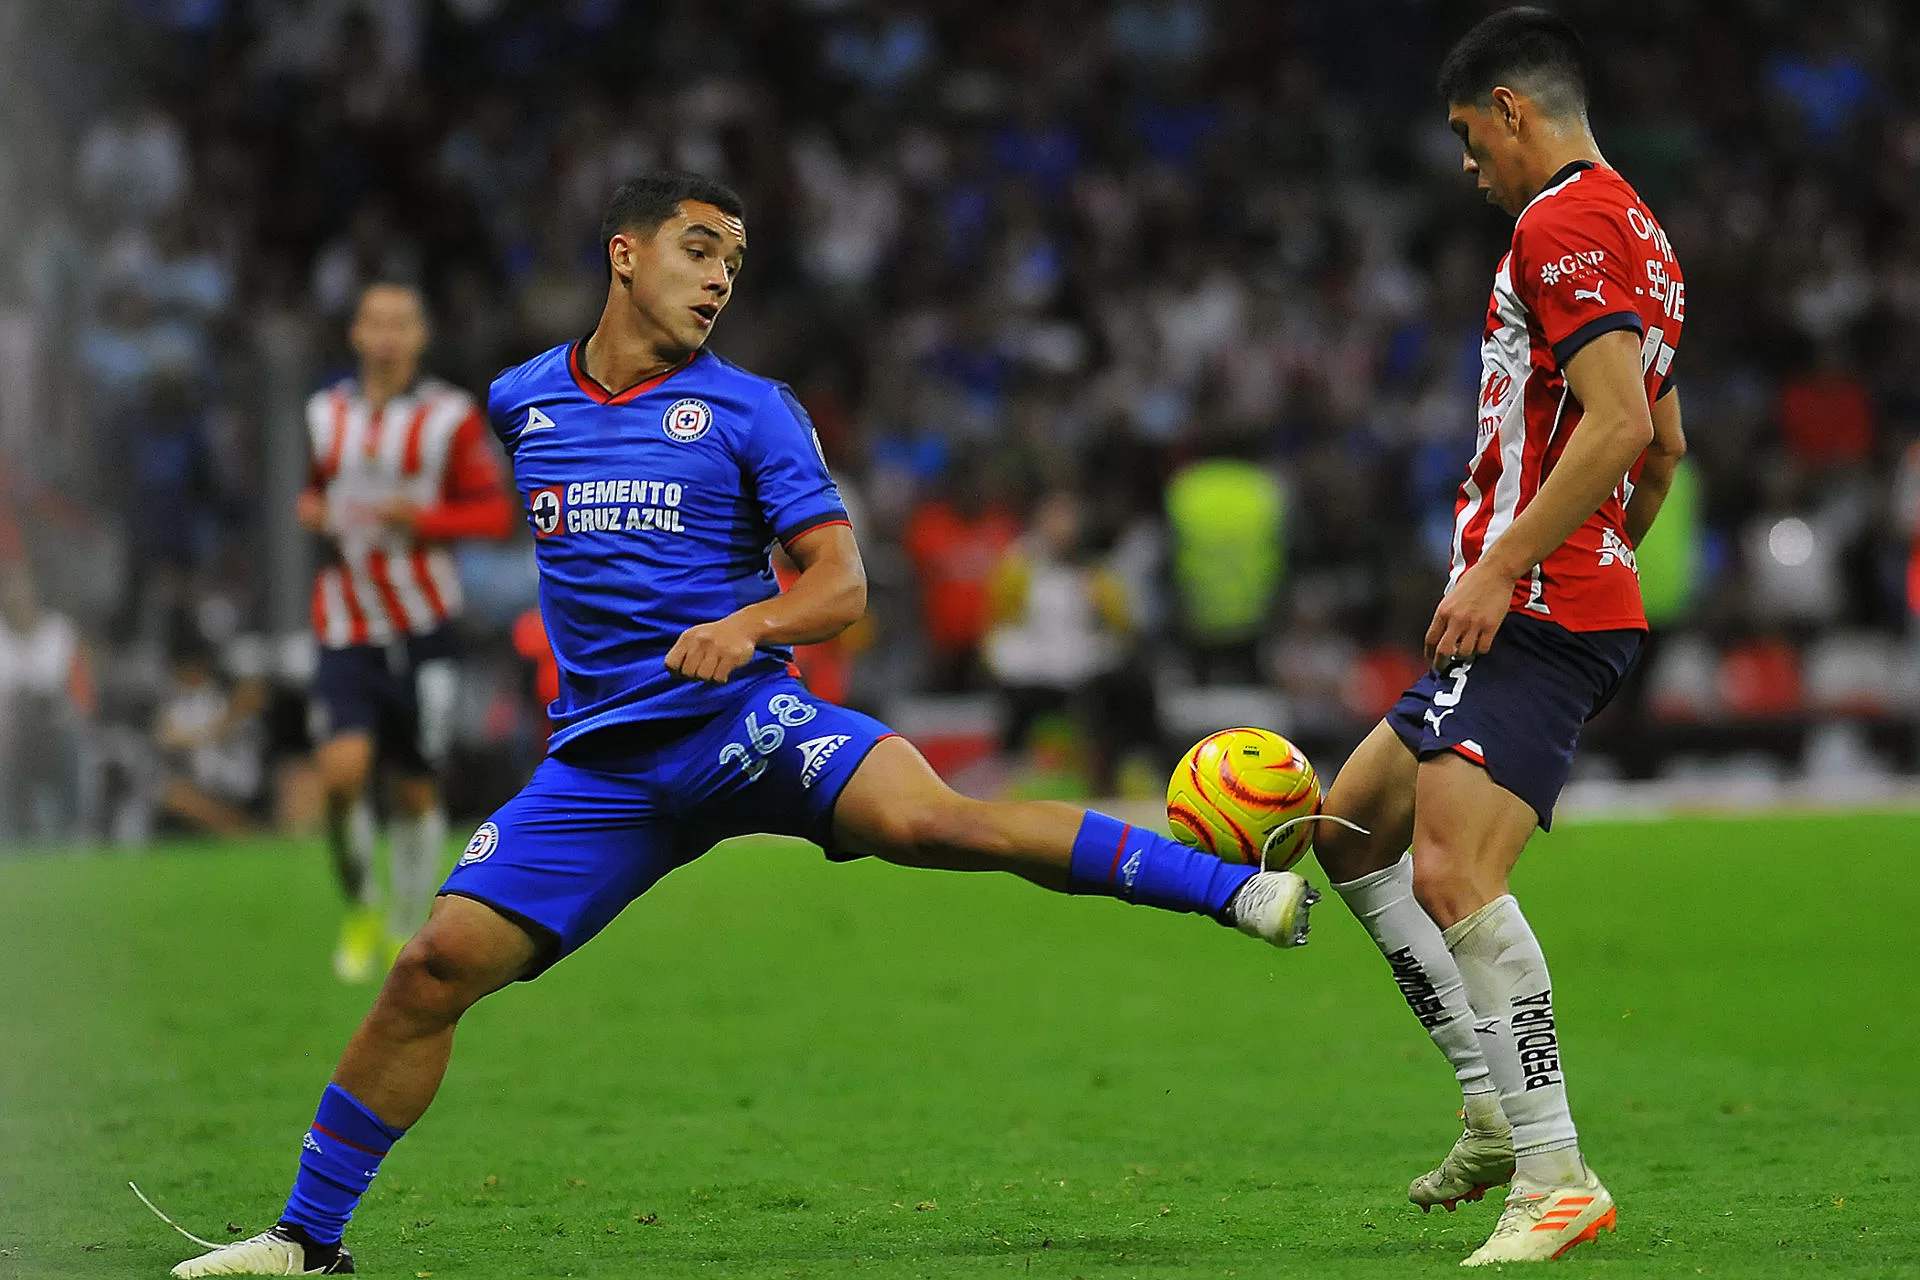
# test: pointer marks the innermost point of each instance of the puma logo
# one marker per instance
(1593, 293)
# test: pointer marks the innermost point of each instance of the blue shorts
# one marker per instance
(403, 695)
(1517, 710)
(610, 813)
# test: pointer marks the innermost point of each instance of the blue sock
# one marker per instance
(1113, 857)
(338, 1158)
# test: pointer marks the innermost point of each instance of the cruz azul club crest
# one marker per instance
(687, 420)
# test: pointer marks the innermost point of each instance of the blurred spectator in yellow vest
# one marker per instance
(1225, 519)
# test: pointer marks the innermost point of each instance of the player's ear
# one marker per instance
(1506, 109)
(620, 255)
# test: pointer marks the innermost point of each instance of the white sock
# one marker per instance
(350, 837)
(414, 869)
(1425, 971)
(1506, 979)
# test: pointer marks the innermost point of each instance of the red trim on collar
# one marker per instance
(599, 394)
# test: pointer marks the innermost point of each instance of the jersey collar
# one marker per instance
(599, 394)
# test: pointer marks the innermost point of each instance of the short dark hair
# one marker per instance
(1523, 48)
(646, 201)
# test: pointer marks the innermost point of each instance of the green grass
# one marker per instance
(776, 1067)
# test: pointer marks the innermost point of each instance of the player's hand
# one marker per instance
(398, 513)
(711, 651)
(311, 510)
(1465, 623)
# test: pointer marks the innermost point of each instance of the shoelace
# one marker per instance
(1521, 1211)
(1255, 894)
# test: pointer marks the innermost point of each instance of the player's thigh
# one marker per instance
(343, 713)
(895, 807)
(567, 854)
(1468, 832)
(778, 761)
(1375, 791)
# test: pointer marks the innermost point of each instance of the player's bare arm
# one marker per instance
(1605, 377)
(829, 596)
(310, 508)
(1656, 473)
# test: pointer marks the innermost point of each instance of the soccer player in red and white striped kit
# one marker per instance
(402, 465)
(1578, 437)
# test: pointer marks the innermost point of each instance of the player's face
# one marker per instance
(1489, 154)
(683, 274)
(389, 328)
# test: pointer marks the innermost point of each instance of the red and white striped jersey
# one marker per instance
(428, 445)
(1587, 258)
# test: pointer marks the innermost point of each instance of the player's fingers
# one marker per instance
(1431, 644)
(677, 657)
(1453, 642)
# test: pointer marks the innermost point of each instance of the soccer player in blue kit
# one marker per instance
(656, 477)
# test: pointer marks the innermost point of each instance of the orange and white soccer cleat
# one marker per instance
(1540, 1224)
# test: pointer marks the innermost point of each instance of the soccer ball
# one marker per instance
(1234, 787)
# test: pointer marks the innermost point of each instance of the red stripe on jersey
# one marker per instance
(374, 423)
(416, 429)
(357, 632)
(378, 570)
(337, 445)
(423, 574)
(318, 607)
(1484, 477)
(599, 394)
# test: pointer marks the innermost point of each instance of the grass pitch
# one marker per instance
(773, 1067)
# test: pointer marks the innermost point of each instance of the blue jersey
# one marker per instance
(654, 510)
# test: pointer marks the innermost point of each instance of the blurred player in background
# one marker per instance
(1579, 436)
(657, 477)
(401, 465)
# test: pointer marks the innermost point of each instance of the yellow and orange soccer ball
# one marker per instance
(1234, 788)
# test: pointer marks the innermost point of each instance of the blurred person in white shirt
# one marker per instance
(46, 702)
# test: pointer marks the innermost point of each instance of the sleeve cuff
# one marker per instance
(820, 520)
(1569, 346)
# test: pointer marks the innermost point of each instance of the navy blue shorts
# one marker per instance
(402, 694)
(1517, 710)
(613, 811)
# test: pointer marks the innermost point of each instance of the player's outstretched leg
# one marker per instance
(1468, 832)
(389, 1073)
(896, 808)
(345, 763)
(1374, 876)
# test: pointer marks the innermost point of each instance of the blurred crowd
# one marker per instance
(1143, 334)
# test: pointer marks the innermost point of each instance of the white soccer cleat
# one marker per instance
(271, 1253)
(1540, 1224)
(1482, 1158)
(1274, 905)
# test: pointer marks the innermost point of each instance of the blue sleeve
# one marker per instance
(786, 470)
(496, 412)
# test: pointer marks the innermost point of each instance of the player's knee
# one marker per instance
(1445, 882)
(343, 772)
(1348, 855)
(436, 978)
